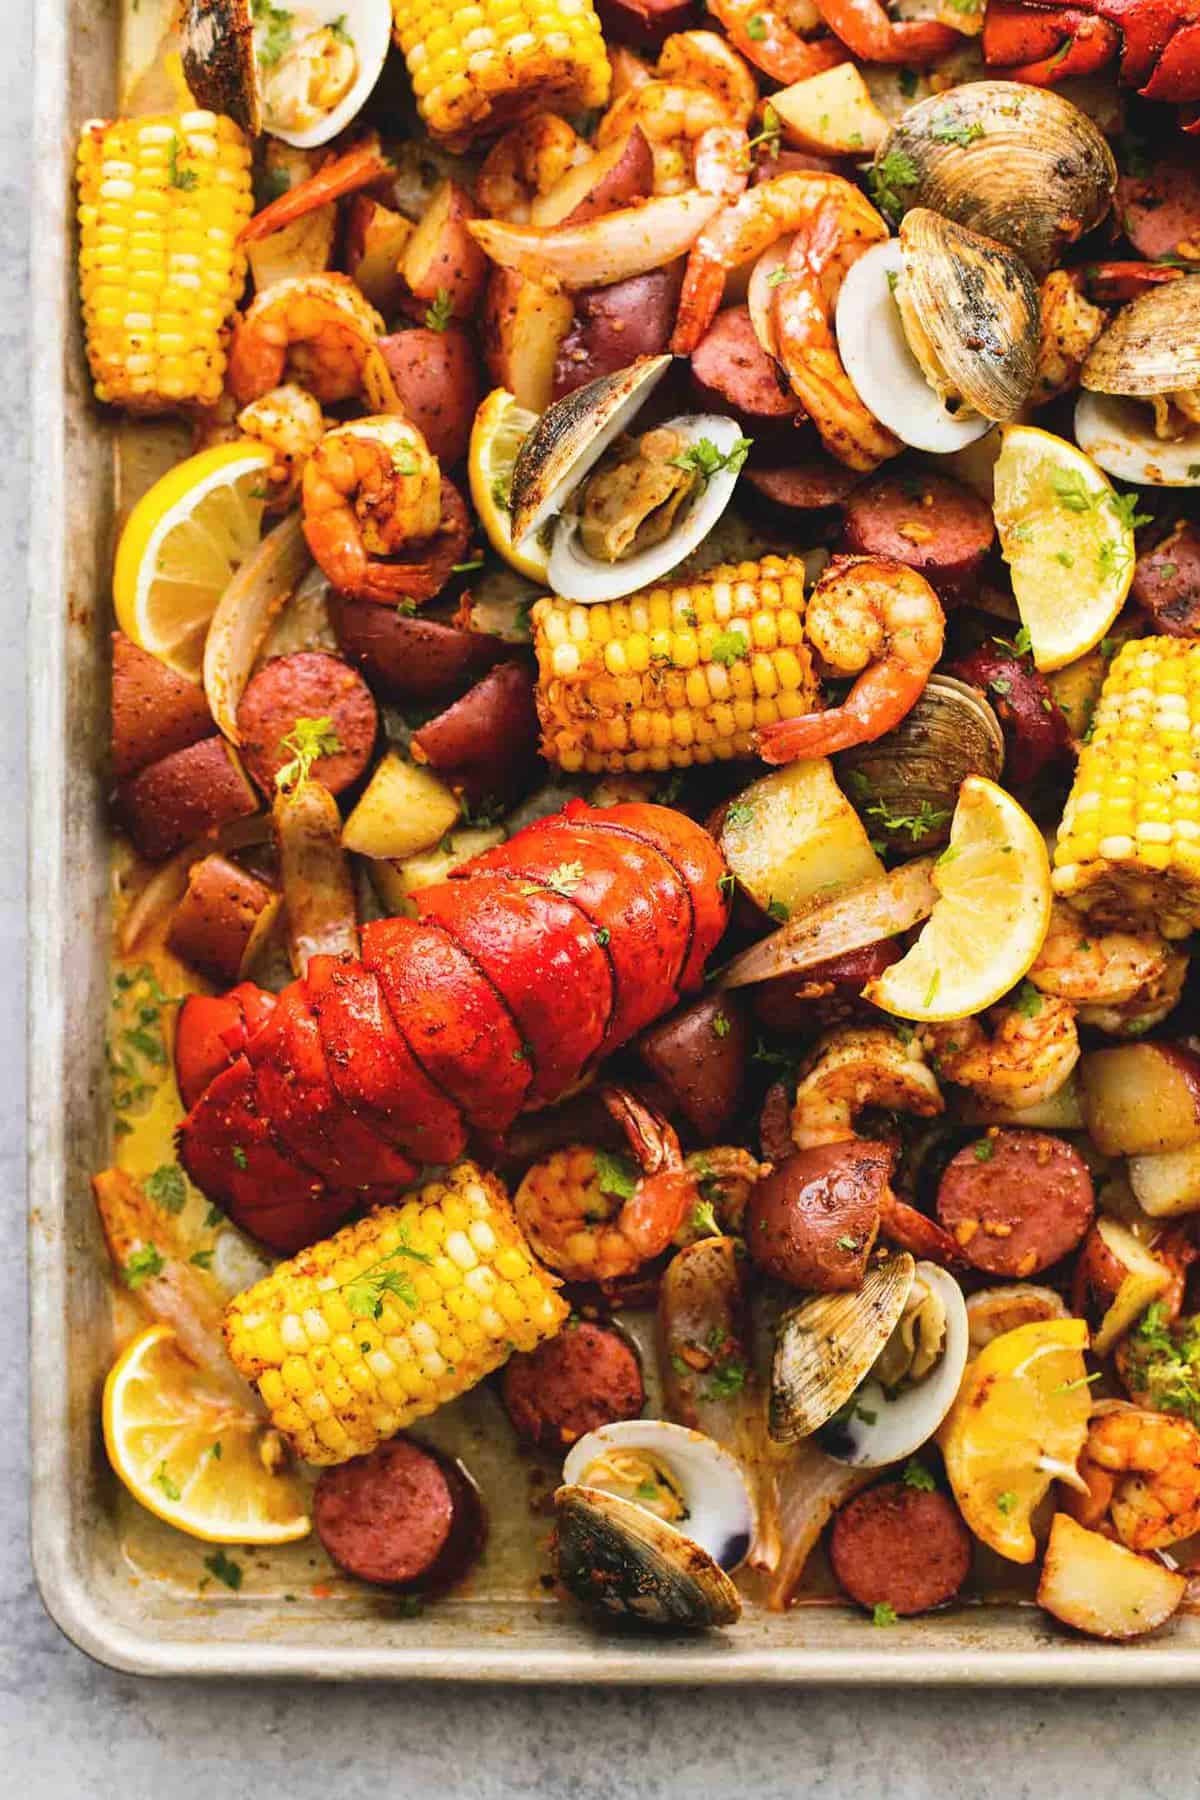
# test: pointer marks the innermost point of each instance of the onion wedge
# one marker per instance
(243, 618)
(621, 244)
(810, 1488)
(851, 921)
(318, 890)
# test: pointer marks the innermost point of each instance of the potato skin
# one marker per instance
(699, 1055)
(182, 796)
(813, 1220)
(437, 379)
(222, 917)
(154, 710)
(411, 657)
(485, 743)
(615, 325)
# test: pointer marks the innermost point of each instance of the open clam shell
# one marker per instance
(1152, 346)
(1118, 433)
(907, 781)
(825, 1346)
(1020, 164)
(970, 312)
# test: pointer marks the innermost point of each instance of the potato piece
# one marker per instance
(408, 656)
(1098, 1586)
(1116, 1278)
(485, 743)
(404, 809)
(616, 176)
(522, 327)
(1141, 1098)
(794, 837)
(182, 796)
(813, 1221)
(396, 882)
(832, 112)
(437, 379)
(154, 710)
(305, 247)
(223, 920)
(442, 257)
(699, 1055)
(1060, 1111)
(1167, 1184)
(376, 240)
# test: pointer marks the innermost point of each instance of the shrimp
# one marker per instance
(705, 59)
(628, 71)
(870, 36)
(290, 422)
(1021, 1057)
(772, 37)
(1156, 1458)
(1123, 982)
(852, 1068)
(527, 162)
(689, 132)
(319, 331)
(1070, 326)
(872, 615)
(586, 1231)
(371, 489)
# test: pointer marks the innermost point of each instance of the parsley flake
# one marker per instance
(440, 313)
(916, 1475)
(143, 1265)
(167, 1187)
(225, 1569)
(305, 744)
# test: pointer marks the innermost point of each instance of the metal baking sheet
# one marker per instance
(122, 1586)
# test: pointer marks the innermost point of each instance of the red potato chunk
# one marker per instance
(437, 378)
(154, 710)
(183, 796)
(441, 257)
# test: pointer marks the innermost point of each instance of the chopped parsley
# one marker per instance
(729, 647)
(184, 179)
(728, 1378)
(647, 1489)
(893, 172)
(926, 818)
(932, 989)
(722, 1025)
(563, 879)
(276, 34)
(241, 1160)
(883, 1613)
(908, 82)
(616, 1175)
(705, 460)
(776, 278)
(778, 911)
(984, 1150)
(441, 311)
(704, 1219)
(950, 133)
(164, 1483)
(916, 1475)
(740, 812)
(602, 935)
(365, 1291)
(143, 1265)
(1027, 1000)
(1006, 1501)
(305, 744)
(1126, 508)
(337, 30)
(202, 1259)
(847, 1243)
(225, 1569)
(1071, 491)
(1163, 1363)
(167, 1187)
(756, 28)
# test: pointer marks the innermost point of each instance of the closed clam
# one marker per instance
(906, 783)
(1139, 413)
(1019, 164)
(825, 1347)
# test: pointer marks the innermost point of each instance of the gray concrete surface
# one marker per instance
(70, 1730)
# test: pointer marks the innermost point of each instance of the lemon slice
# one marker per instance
(182, 544)
(500, 428)
(1018, 1424)
(989, 920)
(1067, 539)
(191, 1452)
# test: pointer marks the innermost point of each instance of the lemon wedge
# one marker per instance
(182, 544)
(1067, 537)
(989, 920)
(190, 1451)
(500, 428)
(1019, 1422)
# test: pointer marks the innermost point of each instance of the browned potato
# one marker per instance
(442, 257)
(1116, 1278)
(1141, 1098)
(812, 1222)
(522, 326)
(154, 710)
(616, 176)
(411, 657)
(1102, 1588)
(182, 796)
(699, 1055)
(223, 919)
(792, 837)
(376, 239)
(437, 379)
(484, 745)
(305, 247)
(1167, 1184)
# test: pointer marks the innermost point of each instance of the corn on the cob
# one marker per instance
(1129, 845)
(479, 68)
(161, 202)
(674, 675)
(393, 1316)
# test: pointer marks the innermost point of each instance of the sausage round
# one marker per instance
(806, 484)
(1036, 732)
(826, 994)
(1160, 212)
(933, 524)
(615, 325)
(309, 684)
(1020, 1207)
(813, 1220)
(585, 1377)
(730, 368)
(900, 1546)
(391, 1517)
(1166, 582)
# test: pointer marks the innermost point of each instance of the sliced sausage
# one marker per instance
(585, 1377)
(184, 796)
(806, 484)
(222, 920)
(408, 656)
(1019, 1206)
(813, 1220)
(615, 325)
(401, 1516)
(730, 369)
(154, 710)
(827, 994)
(1166, 582)
(1160, 211)
(900, 1546)
(1036, 730)
(644, 23)
(309, 684)
(933, 524)
(211, 1029)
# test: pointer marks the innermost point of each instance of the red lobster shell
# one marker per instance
(1158, 42)
(520, 974)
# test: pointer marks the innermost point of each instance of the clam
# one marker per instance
(906, 783)
(650, 1520)
(300, 73)
(1019, 164)
(1139, 416)
(825, 1347)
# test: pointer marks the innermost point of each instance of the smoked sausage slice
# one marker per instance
(933, 524)
(400, 1516)
(585, 1377)
(1166, 582)
(309, 684)
(900, 1546)
(1016, 1201)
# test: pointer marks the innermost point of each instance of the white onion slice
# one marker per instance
(1118, 433)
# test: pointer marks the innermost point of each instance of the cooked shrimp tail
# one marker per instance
(345, 174)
